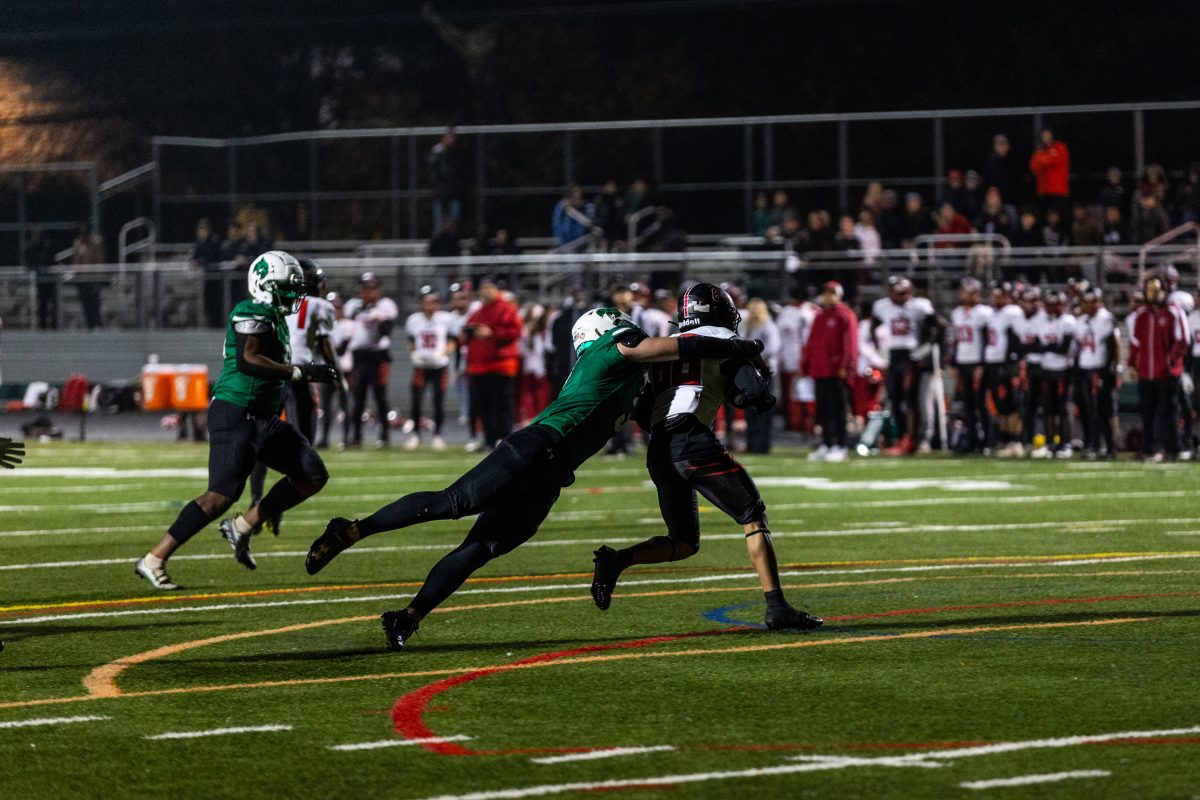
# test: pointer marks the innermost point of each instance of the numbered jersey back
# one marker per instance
(689, 387)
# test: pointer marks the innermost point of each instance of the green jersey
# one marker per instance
(259, 396)
(597, 398)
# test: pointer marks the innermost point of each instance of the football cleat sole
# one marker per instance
(240, 542)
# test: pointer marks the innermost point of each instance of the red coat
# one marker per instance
(1052, 168)
(1159, 341)
(500, 353)
(832, 346)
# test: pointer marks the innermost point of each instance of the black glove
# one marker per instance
(11, 453)
(317, 373)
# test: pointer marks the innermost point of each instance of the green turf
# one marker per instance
(980, 656)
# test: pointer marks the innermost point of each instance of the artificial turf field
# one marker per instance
(968, 603)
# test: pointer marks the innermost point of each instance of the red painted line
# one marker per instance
(409, 711)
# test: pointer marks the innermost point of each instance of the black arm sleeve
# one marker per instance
(254, 370)
(691, 347)
(1015, 348)
(1062, 348)
(385, 327)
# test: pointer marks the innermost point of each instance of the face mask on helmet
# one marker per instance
(275, 279)
(594, 324)
(706, 304)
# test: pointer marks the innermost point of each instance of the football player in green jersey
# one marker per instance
(514, 488)
(243, 420)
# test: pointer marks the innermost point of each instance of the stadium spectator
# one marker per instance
(1112, 193)
(994, 216)
(39, 258)
(758, 324)
(916, 219)
(1086, 230)
(1114, 227)
(781, 208)
(1027, 232)
(370, 343)
(1187, 196)
(1053, 234)
(761, 220)
(444, 243)
(636, 199)
(817, 237)
(955, 193)
(206, 257)
(869, 240)
(1157, 345)
(1148, 220)
(88, 248)
(572, 220)
(846, 238)
(446, 172)
(889, 221)
(951, 222)
(1154, 181)
(873, 198)
(493, 333)
(255, 243)
(1000, 169)
(1051, 168)
(609, 214)
(503, 244)
(973, 183)
(830, 359)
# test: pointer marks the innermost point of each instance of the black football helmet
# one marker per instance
(314, 277)
(707, 304)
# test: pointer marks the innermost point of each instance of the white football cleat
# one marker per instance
(157, 577)
(819, 454)
(438, 442)
(413, 442)
(837, 455)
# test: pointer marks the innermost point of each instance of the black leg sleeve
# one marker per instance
(449, 574)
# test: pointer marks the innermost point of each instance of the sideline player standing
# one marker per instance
(370, 345)
(903, 315)
(970, 320)
(430, 346)
(1055, 337)
(685, 457)
(1096, 386)
(11, 454)
(1000, 356)
(243, 420)
(517, 483)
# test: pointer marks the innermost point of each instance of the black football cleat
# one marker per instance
(398, 627)
(240, 542)
(334, 540)
(604, 578)
(791, 619)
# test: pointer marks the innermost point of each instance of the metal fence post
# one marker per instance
(1038, 124)
(1139, 140)
(843, 156)
(394, 184)
(413, 223)
(314, 179)
(748, 175)
(480, 185)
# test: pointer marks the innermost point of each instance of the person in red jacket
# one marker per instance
(493, 360)
(1157, 346)
(829, 358)
(1051, 168)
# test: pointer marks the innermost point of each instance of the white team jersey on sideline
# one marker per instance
(1027, 328)
(313, 320)
(903, 321)
(1194, 331)
(656, 322)
(368, 333)
(1092, 337)
(970, 332)
(795, 323)
(999, 324)
(1052, 331)
(429, 336)
(1182, 299)
(690, 387)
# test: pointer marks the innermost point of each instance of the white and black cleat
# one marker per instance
(240, 542)
(157, 576)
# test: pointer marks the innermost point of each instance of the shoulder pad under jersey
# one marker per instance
(630, 337)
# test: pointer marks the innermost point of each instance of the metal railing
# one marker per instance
(1172, 255)
(174, 294)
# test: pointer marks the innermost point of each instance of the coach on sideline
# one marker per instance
(493, 359)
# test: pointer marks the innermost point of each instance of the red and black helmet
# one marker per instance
(703, 304)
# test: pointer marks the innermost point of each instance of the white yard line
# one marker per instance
(397, 743)
(31, 723)
(608, 752)
(580, 587)
(1023, 499)
(1025, 780)
(217, 732)
(811, 763)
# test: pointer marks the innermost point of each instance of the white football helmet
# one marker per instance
(595, 323)
(276, 279)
